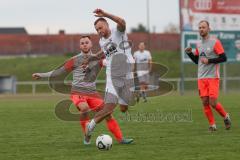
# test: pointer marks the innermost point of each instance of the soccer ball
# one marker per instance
(104, 142)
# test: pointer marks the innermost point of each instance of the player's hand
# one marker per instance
(204, 60)
(85, 61)
(99, 13)
(84, 65)
(36, 76)
(97, 56)
(100, 54)
(188, 50)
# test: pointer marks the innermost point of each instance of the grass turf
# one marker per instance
(30, 130)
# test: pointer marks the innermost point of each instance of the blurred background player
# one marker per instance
(119, 78)
(209, 53)
(83, 92)
(143, 64)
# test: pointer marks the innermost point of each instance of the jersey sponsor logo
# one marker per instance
(144, 60)
(111, 47)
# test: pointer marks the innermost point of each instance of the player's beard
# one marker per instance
(86, 51)
(102, 35)
(106, 33)
(204, 35)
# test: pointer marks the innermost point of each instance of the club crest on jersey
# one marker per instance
(203, 54)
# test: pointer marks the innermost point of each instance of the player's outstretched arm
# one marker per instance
(190, 54)
(54, 73)
(37, 76)
(121, 24)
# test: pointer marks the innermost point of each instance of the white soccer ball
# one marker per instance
(104, 142)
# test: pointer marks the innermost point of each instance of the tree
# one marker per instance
(140, 28)
(172, 28)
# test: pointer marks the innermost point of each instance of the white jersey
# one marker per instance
(116, 44)
(142, 59)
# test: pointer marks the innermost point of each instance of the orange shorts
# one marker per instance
(94, 101)
(208, 87)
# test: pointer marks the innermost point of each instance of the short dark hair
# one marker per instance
(85, 36)
(205, 22)
(100, 19)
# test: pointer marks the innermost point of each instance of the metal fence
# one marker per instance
(176, 82)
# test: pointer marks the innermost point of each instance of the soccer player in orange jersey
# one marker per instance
(209, 53)
(83, 92)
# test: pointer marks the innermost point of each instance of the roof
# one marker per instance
(13, 30)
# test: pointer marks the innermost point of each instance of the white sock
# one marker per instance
(91, 125)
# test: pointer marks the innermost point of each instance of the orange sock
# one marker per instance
(209, 114)
(114, 128)
(83, 124)
(219, 108)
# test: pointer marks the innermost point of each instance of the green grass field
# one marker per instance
(176, 129)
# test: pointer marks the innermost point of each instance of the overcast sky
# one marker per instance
(75, 16)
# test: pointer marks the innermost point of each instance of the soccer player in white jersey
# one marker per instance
(83, 90)
(119, 61)
(143, 65)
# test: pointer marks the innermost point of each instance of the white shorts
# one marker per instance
(143, 77)
(118, 90)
